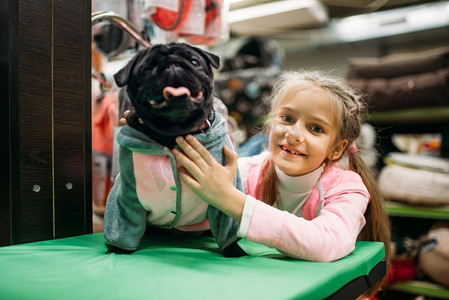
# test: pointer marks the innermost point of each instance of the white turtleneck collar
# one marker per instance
(298, 184)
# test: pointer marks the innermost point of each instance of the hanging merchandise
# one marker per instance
(212, 25)
(169, 17)
(198, 22)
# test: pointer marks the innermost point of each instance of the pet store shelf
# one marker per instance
(418, 287)
(421, 288)
(417, 211)
(415, 115)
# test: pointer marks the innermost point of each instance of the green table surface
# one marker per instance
(171, 267)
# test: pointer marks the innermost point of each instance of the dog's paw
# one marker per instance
(133, 120)
(117, 250)
(234, 250)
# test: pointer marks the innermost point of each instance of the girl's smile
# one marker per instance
(291, 151)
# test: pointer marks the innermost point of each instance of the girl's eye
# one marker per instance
(316, 129)
(287, 119)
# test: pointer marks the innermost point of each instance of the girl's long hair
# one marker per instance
(349, 110)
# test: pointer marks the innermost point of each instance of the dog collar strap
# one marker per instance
(206, 125)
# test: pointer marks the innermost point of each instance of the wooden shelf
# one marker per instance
(415, 115)
(417, 211)
(421, 288)
(418, 287)
(416, 120)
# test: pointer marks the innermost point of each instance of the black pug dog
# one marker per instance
(170, 87)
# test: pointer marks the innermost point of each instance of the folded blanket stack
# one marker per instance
(415, 179)
(402, 81)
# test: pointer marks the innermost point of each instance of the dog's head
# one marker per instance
(170, 86)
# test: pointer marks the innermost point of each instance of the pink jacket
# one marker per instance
(332, 218)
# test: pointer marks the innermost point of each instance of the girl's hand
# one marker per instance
(211, 181)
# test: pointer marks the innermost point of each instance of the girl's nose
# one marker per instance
(294, 134)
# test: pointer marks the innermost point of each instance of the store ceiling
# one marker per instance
(345, 8)
(340, 8)
(306, 23)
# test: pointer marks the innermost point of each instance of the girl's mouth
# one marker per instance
(291, 151)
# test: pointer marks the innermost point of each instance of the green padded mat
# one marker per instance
(171, 267)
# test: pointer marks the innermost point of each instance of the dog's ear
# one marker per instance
(213, 59)
(122, 76)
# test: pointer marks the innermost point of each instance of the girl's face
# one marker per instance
(303, 132)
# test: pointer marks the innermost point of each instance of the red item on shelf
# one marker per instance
(402, 270)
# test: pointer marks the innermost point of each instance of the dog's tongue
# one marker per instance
(170, 92)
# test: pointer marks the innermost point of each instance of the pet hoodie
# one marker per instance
(148, 191)
(329, 221)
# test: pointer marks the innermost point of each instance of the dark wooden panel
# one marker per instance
(72, 115)
(5, 180)
(34, 91)
(45, 150)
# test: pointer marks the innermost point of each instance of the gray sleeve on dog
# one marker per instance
(223, 228)
(125, 218)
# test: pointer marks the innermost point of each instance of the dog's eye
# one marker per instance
(194, 61)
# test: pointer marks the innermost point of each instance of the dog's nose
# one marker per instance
(171, 92)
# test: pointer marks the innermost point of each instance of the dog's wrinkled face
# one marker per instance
(170, 86)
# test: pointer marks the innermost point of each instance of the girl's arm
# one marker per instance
(211, 181)
(329, 236)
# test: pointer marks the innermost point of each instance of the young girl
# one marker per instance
(310, 208)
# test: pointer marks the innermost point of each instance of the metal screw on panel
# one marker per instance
(69, 185)
(36, 188)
